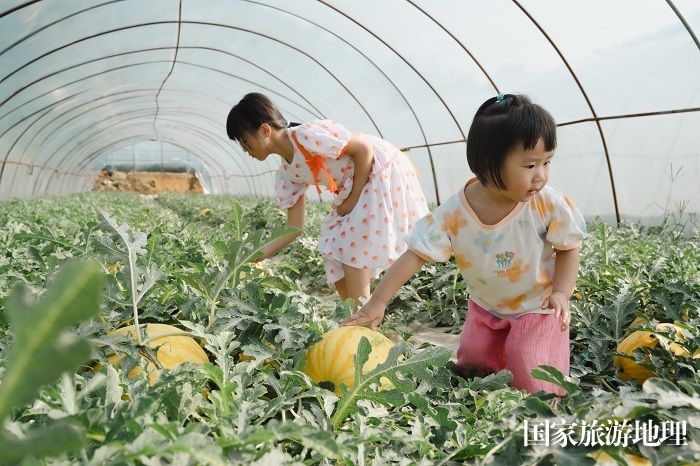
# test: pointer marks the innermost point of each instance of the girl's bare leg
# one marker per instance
(356, 283)
(341, 288)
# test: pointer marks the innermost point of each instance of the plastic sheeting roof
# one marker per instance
(83, 79)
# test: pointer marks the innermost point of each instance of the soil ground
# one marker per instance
(147, 182)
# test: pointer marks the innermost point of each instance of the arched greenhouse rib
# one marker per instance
(351, 232)
(431, 125)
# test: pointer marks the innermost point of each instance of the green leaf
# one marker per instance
(385, 397)
(140, 281)
(311, 437)
(439, 414)
(236, 218)
(552, 375)
(43, 349)
(492, 382)
(364, 347)
(418, 365)
(538, 407)
(47, 442)
(621, 312)
(668, 394)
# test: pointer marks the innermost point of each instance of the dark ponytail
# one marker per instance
(253, 110)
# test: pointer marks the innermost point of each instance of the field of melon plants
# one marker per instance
(76, 390)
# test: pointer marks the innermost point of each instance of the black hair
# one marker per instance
(253, 110)
(499, 126)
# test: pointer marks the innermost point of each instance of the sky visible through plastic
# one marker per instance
(84, 84)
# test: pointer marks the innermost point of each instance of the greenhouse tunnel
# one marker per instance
(84, 83)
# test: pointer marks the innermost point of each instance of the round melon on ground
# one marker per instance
(330, 361)
(629, 369)
(173, 349)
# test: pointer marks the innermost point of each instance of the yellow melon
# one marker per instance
(331, 359)
(172, 349)
(630, 370)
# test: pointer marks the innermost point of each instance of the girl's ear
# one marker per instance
(266, 129)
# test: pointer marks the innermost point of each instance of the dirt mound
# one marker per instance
(147, 182)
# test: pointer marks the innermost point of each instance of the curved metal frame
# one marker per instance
(179, 22)
(189, 22)
(115, 101)
(37, 31)
(685, 23)
(200, 154)
(127, 113)
(124, 141)
(18, 7)
(588, 102)
(378, 68)
(45, 182)
(75, 161)
(139, 139)
(122, 67)
(595, 117)
(172, 67)
(82, 161)
(389, 80)
(316, 113)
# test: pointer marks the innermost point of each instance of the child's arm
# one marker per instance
(362, 152)
(566, 264)
(398, 274)
(295, 218)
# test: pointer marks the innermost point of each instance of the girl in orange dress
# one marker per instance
(377, 194)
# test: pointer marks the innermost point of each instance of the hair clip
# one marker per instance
(500, 98)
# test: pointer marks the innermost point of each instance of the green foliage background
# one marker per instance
(165, 260)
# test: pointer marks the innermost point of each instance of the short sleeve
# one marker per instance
(288, 191)
(323, 137)
(429, 240)
(566, 226)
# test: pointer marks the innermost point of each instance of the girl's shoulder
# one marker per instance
(547, 202)
(321, 137)
(455, 201)
(320, 130)
(556, 208)
(549, 192)
(558, 197)
(549, 195)
(319, 124)
(450, 204)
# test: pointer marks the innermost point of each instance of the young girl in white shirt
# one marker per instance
(515, 240)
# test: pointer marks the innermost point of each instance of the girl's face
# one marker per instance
(254, 144)
(525, 172)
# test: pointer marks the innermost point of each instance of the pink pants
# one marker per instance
(489, 344)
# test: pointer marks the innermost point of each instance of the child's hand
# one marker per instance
(372, 313)
(560, 303)
(347, 205)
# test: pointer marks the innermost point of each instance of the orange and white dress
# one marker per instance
(372, 235)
